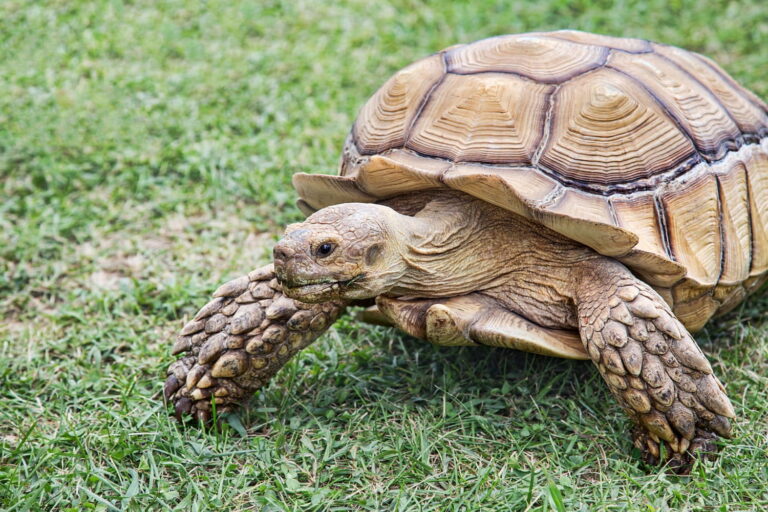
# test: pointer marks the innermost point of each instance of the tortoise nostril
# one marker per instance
(282, 252)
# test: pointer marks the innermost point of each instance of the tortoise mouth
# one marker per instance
(319, 290)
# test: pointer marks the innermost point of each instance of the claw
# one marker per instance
(722, 426)
(172, 385)
(183, 406)
(232, 288)
(182, 345)
(703, 446)
(203, 416)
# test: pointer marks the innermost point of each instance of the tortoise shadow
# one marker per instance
(395, 368)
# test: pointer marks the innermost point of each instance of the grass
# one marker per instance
(146, 150)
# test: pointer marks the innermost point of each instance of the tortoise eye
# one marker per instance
(325, 249)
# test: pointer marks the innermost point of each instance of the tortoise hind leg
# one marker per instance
(476, 319)
(238, 341)
(651, 364)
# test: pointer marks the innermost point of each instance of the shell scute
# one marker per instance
(607, 129)
(736, 229)
(400, 172)
(757, 173)
(650, 257)
(746, 113)
(493, 118)
(542, 199)
(496, 184)
(693, 222)
(534, 56)
(384, 120)
(693, 106)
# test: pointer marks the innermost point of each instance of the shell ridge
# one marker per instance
(661, 214)
(622, 50)
(521, 76)
(625, 188)
(547, 128)
(612, 212)
(557, 34)
(551, 81)
(628, 187)
(352, 137)
(447, 170)
(357, 158)
(720, 217)
(749, 219)
(550, 199)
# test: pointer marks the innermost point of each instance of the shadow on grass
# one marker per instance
(395, 373)
(376, 373)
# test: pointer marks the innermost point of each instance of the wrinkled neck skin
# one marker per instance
(457, 245)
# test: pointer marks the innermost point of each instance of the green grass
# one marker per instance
(146, 150)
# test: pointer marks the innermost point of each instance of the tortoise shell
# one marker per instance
(647, 153)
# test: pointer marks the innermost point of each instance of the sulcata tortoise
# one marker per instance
(562, 193)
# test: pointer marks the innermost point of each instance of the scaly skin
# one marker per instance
(652, 366)
(238, 341)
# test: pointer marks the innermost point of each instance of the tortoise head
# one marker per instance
(347, 251)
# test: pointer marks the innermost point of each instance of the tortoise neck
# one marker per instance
(458, 245)
(449, 247)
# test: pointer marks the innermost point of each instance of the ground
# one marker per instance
(146, 150)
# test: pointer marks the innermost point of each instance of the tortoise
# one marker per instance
(562, 193)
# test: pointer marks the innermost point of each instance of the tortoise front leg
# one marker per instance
(238, 341)
(652, 365)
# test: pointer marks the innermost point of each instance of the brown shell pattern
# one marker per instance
(645, 152)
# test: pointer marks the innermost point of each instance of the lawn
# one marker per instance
(146, 151)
